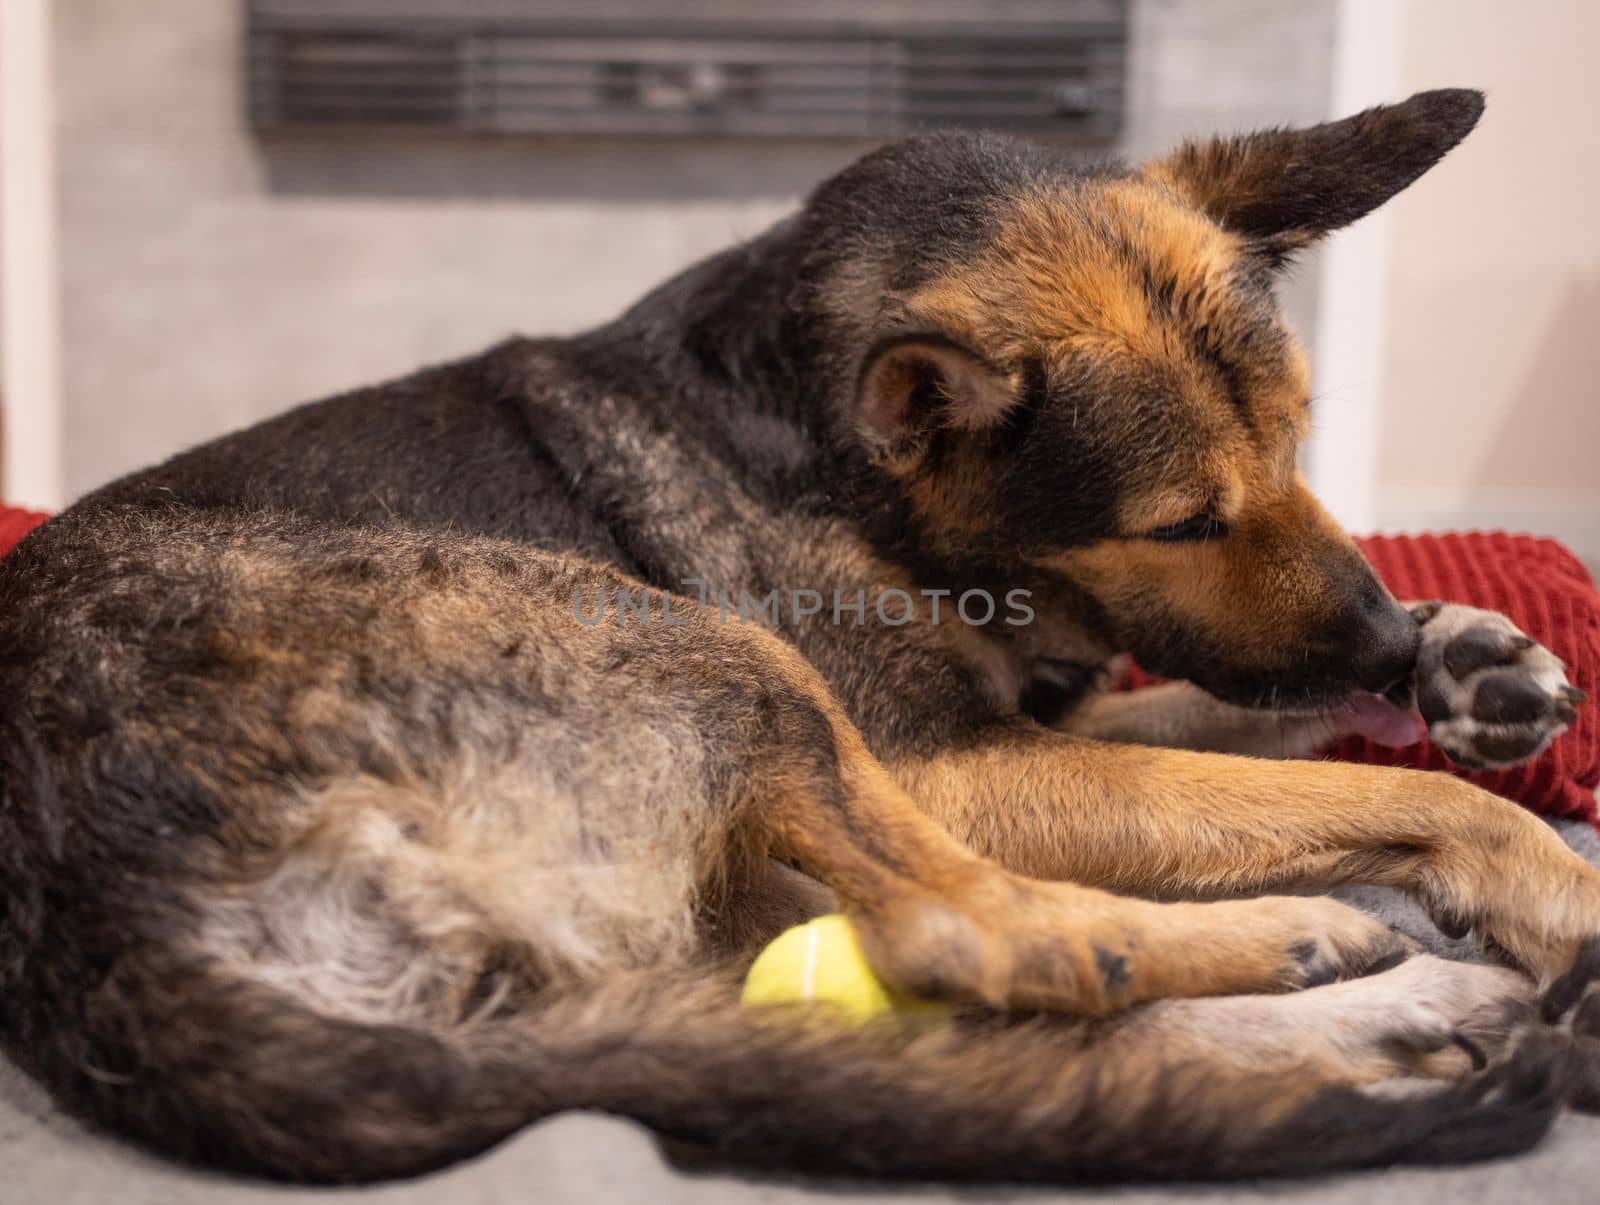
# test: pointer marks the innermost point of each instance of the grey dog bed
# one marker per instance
(46, 1157)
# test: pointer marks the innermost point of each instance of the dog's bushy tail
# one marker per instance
(243, 1076)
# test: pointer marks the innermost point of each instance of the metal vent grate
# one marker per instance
(438, 65)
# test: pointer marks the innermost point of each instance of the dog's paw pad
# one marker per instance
(1491, 695)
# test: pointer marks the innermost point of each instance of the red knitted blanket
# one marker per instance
(14, 524)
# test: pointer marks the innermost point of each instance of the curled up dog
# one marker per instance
(392, 774)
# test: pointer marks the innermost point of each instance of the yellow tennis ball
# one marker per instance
(821, 963)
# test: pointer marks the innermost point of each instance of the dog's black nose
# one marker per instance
(1386, 641)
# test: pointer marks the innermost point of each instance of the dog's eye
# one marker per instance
(1199, 527)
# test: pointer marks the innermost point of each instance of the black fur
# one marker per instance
(1285, 188)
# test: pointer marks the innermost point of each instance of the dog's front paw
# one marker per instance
(1319, 940)
(1491, 695)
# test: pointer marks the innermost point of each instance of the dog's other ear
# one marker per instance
(913, 385)
(1286, 188)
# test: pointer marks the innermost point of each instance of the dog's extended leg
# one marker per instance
(1176, 824)
(1490, 695)
(1427, 1017)
(1179, 715)
(939, 921)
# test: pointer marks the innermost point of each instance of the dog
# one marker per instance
(421, 762)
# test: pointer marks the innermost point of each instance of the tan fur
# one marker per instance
(1175, 824)
(1281, 543)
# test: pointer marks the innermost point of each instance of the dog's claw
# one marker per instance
(1424, 611)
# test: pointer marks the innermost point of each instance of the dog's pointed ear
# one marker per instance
(1284, 189)
(913, 385)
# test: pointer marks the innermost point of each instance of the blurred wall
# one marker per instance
(211, 278)
(1491, 413)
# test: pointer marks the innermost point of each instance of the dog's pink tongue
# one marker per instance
(1379, 720)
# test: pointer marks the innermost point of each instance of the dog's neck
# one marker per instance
(755, 340)
(762, 332)
(735, 332)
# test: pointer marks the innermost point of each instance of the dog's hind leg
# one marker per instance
(1178, 1092)
(1426, 1018)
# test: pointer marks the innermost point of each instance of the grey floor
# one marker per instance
(48, 1158)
